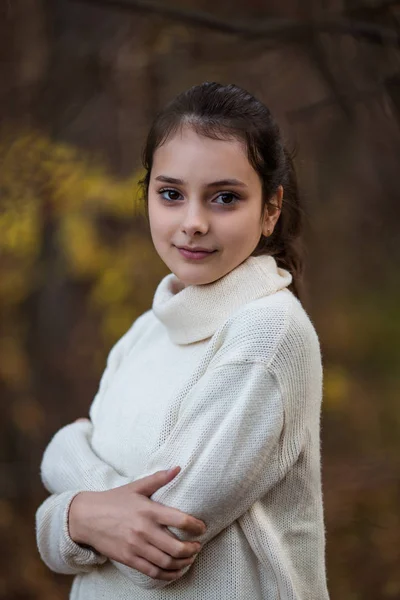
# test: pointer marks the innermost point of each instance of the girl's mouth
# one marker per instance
(195, 255)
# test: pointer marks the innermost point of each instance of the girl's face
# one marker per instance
(205, 193)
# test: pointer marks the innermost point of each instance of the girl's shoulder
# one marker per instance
(266, 327)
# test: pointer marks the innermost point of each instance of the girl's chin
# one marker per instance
(186, 278)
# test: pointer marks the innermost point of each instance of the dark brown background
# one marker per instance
(79, 84)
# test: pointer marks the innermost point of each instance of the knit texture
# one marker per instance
(224, 380)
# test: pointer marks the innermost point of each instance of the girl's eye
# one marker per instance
(228, 195)
(169, 194)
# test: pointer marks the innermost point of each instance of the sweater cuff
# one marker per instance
(76, 554)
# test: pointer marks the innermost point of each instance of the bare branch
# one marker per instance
(281, 30)
(317, 52)
(372, 8)
(306, 112)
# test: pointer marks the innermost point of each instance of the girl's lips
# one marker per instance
(195, 255)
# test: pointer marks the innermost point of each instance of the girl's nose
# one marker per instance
(195, 220)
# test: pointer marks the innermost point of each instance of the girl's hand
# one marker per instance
(125, 525)
(81, 419)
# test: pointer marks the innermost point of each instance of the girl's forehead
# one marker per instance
(187, 150)
(188, 135)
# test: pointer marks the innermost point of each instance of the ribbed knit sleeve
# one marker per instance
(56, 548)
(70, 463)
(226, 442)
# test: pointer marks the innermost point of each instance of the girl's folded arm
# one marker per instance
(226, 442)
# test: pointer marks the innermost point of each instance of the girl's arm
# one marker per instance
(69, 462)
(226, 442)
(69, 459)
(68, 467)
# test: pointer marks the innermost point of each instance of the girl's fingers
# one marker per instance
(151, 570)
(162, 560)
(167, 542)
(172, 517)
(147, 485)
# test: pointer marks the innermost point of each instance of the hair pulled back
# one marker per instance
(225, 112)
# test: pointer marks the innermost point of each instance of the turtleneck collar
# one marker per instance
(195, 312)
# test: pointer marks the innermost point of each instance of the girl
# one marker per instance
(221, 379)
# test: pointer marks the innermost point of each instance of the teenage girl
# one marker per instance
(198, 474)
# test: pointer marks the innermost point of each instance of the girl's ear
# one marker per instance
(272, 212)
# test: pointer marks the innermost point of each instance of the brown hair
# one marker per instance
(225, 111)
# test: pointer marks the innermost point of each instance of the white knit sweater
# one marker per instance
(224, 380)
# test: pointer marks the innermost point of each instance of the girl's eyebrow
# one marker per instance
(221, 182)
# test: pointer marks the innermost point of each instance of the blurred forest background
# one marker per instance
(79, 84)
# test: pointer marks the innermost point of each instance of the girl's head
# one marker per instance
(218, 177)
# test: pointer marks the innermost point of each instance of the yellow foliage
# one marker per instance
(41, 177)
(82, 249)
(117, 320)
(51, 186)
(336, 387)
(392, 589)
(112, 286)
(20, 230)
